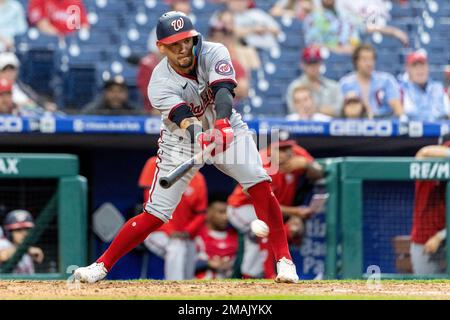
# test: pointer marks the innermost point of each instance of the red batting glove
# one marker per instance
(221, 135)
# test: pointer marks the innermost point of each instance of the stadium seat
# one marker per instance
(78, 87)
(37, 69)
(109, 41)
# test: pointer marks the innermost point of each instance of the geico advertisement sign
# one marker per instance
(11, 124)
(368, 128)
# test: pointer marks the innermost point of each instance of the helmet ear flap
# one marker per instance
(197, 43)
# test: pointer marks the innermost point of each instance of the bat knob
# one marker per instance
(164, 182)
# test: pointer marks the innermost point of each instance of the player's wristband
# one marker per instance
(222, 124)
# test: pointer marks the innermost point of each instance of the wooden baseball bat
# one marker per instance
(177, 173)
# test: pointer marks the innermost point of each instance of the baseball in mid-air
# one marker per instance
(259, 228)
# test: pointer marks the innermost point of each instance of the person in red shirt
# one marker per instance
(174, 240)
(428, 254)
(217, 242)
(7, 105)
(286, 162)
(144, 74)
(57, 17)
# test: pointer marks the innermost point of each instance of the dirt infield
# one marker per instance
(248, 289)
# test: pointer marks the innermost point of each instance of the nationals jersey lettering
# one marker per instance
(169, 89)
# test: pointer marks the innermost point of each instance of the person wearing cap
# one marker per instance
(379, 90)
(23, 95)
(175, 5)
(217, 242)
(290, 167)
(429, 230)
(7, 105)
(17, 225)
(193, 88)
(424, 99)
(113, 101)
(326, 92)
(12, 23)
(148, 63)
(304, 107)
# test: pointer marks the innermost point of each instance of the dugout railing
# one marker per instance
(63, 209)
(371, 199)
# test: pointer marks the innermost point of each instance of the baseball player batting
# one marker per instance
(193, 88)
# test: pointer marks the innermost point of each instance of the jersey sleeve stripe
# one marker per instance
(155, 177)
(223, 80)
(172, 110)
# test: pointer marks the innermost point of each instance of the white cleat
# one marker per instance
(91, 274)
(286, 272)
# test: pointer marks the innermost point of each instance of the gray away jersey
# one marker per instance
(25, 265)
(168, 89)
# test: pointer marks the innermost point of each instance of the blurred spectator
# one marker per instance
(326, 92)
(17, 225)
(12, 23)
(288, 165)
(217, 242)
(146, 66)
(423, 98)
(447, 80)
(369, 16)
(354, 108)
(174, 241)
(378, 90)
(250, 3)
(57, 17)
(247, 56)
(292, 8)
(7, 105)
(221, 35)
(113, 101)
(255, 26)
(23, 96)
(429, 231)
(303, 106)
(324, 27)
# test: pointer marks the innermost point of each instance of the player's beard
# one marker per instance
(186, 62)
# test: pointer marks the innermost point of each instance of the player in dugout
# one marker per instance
(17, 225)
(428, 234)
(217, 242)
(174, 241)
(193, 88)
(294, 165)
